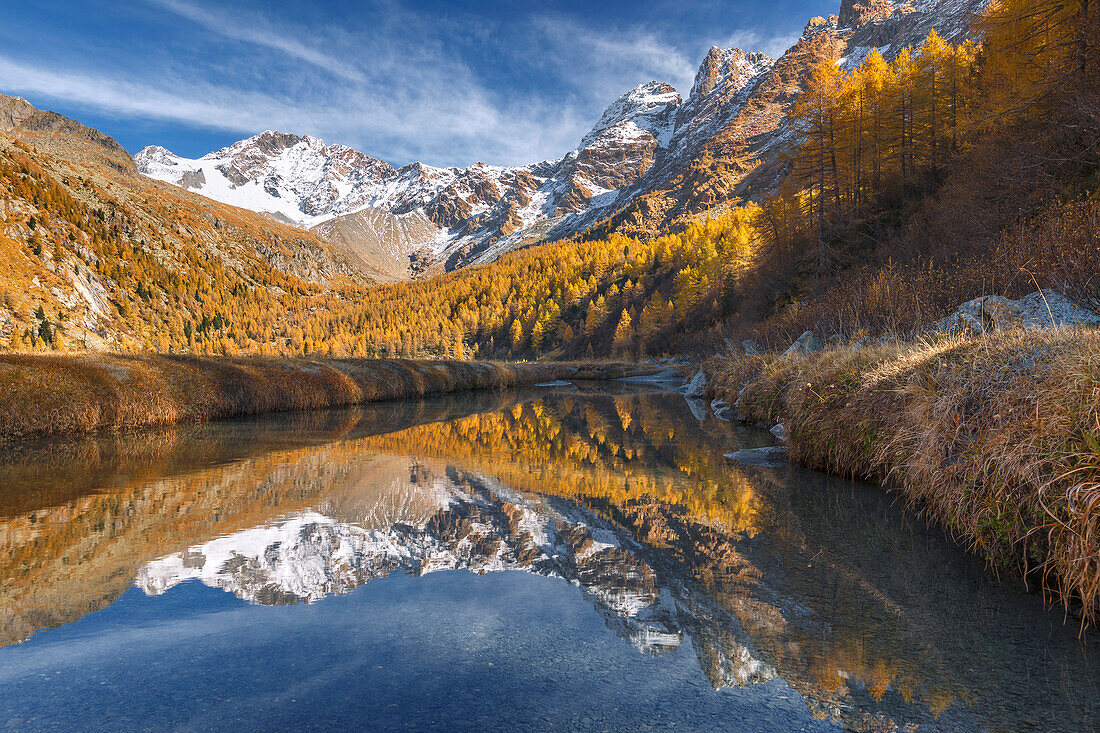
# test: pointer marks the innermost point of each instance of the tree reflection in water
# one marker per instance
(873, 617)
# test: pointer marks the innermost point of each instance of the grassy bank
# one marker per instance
(48, 395)
(995, 436)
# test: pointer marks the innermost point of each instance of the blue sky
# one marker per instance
(447, 83)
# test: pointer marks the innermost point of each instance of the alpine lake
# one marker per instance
(571, 557)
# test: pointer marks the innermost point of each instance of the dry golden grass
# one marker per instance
(995, 436)
(55, 394)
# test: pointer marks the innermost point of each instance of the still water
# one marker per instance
(556, 559)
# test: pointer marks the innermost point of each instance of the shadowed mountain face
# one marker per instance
(875, 620)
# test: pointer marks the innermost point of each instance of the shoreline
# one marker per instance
(995, 437)
(50, 394)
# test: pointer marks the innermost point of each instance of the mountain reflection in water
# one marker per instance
(876, 620)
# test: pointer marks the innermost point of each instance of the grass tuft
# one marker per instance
(997, 437)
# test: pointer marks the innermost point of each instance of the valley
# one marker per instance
(306, 391)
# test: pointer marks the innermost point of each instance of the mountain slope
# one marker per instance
(95, 254)
(729, 143)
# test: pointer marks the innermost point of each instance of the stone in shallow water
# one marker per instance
(770, 457)
(697, 387)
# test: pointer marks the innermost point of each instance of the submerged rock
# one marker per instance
(1041, 309)
(807, 343)
(668, 375)
(771, 456)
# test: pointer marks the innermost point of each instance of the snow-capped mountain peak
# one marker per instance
(649, 107)
(718, 147)
(729, 68)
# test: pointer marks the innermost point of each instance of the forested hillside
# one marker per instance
(953, 171)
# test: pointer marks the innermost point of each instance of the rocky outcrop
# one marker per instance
(1041, 309)
(807, 343)
(697, 387)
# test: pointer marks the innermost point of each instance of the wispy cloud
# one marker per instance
(464, 122)
(448, 88)
(609, 61)
(256, 30)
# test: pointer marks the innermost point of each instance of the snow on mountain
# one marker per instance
(650, 153)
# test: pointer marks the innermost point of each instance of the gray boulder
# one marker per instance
(807, 343)
(1041, 309)
(697, 387)
(780, 432)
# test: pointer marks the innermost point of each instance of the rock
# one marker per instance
(697, 387)
(750, 348)
(835, 340)
(770, 457)
(780, 432)
(1041, 309)
(807, 343)
(865, 341)
(725, 413)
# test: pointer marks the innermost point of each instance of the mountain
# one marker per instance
(652, 162)
(441, 217)
(98, 255)
(730, 136)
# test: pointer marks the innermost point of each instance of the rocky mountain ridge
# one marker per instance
(652, 162)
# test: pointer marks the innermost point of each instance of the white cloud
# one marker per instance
(608, 63)
(466, 124)
(400, 90)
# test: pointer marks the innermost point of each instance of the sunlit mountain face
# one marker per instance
(765, 576)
